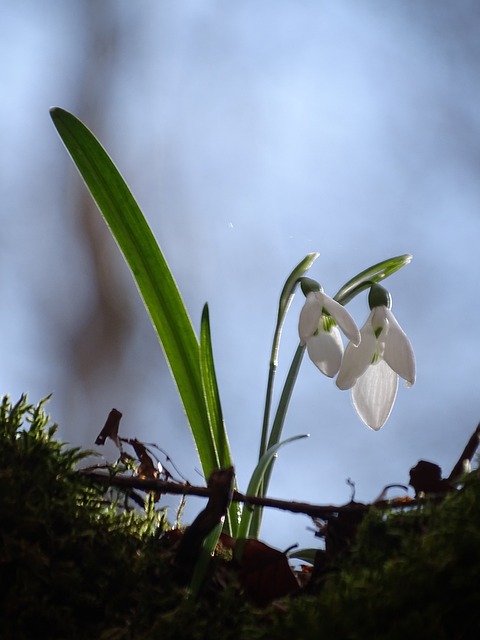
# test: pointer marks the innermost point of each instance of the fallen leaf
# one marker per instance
(265, 573)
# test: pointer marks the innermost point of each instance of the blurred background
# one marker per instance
(251, 133)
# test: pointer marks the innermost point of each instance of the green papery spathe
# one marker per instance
(373, 274)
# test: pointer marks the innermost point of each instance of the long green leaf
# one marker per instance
(257, 479)
(150, 271)
(214, 409)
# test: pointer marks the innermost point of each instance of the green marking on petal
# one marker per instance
(327, 322)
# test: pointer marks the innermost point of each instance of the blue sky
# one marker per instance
(251, 134)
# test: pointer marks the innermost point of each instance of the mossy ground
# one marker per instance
(76, 564)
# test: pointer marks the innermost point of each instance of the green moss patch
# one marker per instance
(76, 561)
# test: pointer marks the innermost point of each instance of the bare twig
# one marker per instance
(314, 511)
(177, 488)
(466, 456)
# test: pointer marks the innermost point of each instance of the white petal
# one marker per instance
(342, 318)
(398, 353)
(374, 394)
(379, 317)
(356, 360)
(325, 350)
(309, 317)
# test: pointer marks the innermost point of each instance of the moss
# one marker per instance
(76, 563)
(413, 574)
(69, 556)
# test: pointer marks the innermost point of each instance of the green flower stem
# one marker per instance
(285, 300)
(276, 433)
(284, 401)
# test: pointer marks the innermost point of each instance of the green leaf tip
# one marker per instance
(369, 276)
(58, 112)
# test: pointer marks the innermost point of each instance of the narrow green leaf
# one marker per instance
(212, 397)
(203, 562)
(373, 274)
(150, 271)
(307, 555)
(214, 410)
(257, 479)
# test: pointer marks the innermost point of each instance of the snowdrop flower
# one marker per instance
(372, 367)
(317, 328)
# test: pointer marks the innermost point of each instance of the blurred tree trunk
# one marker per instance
(95, 346)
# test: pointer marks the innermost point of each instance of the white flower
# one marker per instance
(372, 368)
(317, 329)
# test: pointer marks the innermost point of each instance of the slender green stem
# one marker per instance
(284, 303)
(268, 397)
(276, 433)
(284, 401)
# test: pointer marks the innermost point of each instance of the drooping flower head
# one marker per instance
(317, 328)
(372, 367)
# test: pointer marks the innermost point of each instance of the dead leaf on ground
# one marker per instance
(265, 573)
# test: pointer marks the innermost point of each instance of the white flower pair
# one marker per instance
(374, 358)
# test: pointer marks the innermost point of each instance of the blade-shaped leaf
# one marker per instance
(150, 271)
(212, 397)
(307, 555)
(214, 409)
(203, 562)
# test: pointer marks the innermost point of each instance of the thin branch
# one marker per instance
(466, 456)
(176, 488)
(314, 511)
